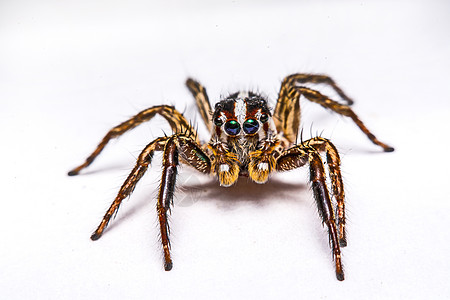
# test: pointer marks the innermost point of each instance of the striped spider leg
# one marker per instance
(177, 122)
(309, 152)
(287, 110)
(183, 144)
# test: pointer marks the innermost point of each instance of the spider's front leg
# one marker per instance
(300, 155)
(165, 197)
(317, 177)
(191, 153)
(337, 185)
(175, 146)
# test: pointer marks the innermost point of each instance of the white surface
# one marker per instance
(70, 71)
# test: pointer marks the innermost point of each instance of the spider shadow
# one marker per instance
(109, 167)
(246, 191)
(243, 191)
(362, 150)
(226, 198)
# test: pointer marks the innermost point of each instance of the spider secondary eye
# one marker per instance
(251, 126)
(218, 121)
(232, 127)
(264, 118)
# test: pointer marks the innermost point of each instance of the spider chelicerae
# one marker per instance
(247, 139)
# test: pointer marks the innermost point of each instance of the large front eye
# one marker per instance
(251, 126)
(232, 127)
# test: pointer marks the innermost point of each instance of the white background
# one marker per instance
(69, 71)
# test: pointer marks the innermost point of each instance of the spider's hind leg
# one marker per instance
(202, 101)
(287, 109)
(293, 79)
(342, 109)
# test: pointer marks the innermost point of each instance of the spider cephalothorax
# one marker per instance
(242, 124)
(246, 140)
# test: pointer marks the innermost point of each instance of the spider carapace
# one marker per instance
(247, 139)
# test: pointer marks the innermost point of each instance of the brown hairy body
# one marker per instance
(247, 139)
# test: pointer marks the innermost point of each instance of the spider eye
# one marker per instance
(218, 121)
(264, 118)
(251, 126)
(232, 127)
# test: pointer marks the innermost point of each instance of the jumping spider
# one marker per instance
(247, 139)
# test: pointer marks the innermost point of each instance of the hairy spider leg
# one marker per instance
(175, 119)
(286, 115)
(298, 156)
(341, 109)
(337, 185)
(317, 178)
(128, 186)
(165, 196)
(301, 78)
(202, 101)
(173, 147)
(191, 153)
(287, 110)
